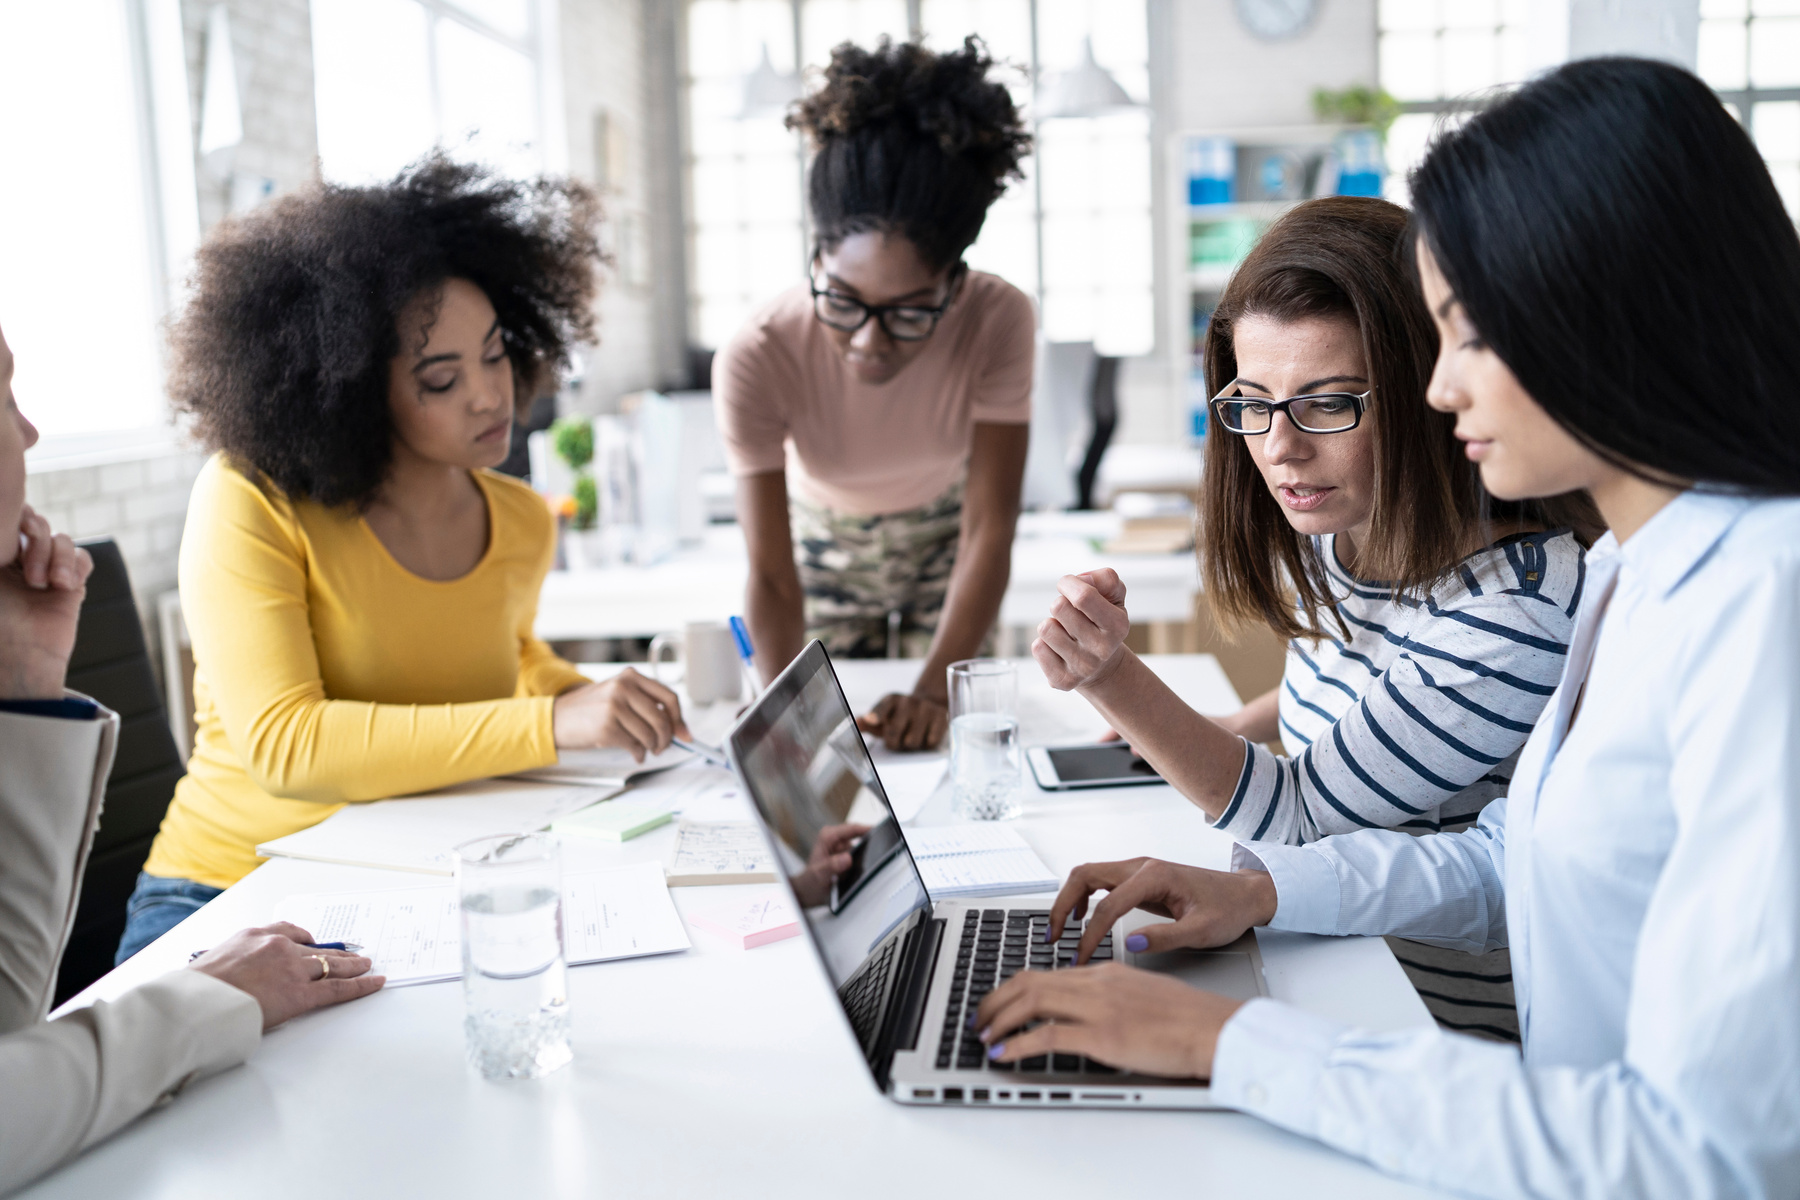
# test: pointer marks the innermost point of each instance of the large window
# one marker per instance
(1750, 53)
(1434, 54)
(79, 233)
(1080, 243)
(1438, 55)
(393, 78)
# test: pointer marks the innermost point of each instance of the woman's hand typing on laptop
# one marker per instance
(1209, 908)
(1122, 1016)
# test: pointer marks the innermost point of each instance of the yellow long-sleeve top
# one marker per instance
(325, 672)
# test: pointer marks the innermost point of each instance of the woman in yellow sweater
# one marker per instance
(360, 589)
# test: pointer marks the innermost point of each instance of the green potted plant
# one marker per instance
(1362, 165)
(572, 441)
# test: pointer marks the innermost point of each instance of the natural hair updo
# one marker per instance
(909, 142)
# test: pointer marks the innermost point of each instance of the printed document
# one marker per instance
(414, 935)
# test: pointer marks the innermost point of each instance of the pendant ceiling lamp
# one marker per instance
(1087, 91)
(768, 92)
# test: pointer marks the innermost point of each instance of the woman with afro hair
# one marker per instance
(893, 389)
(359, 584)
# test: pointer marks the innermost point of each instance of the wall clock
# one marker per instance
(1276, 20)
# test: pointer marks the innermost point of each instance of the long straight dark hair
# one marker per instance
(1341, 257)
(1614, 235)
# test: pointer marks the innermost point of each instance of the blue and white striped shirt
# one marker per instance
(1416, 722)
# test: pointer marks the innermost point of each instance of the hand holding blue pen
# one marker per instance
(346, 947)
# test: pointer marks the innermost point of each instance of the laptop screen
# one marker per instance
(803, 761)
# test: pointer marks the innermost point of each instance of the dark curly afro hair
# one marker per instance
(910, 142)
(282, 355)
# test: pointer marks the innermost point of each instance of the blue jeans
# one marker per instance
(158, 905)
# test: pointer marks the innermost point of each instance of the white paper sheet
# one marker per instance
(414, 935)
(417, 833)
(603, 765)
(699, 792)
(910, 784)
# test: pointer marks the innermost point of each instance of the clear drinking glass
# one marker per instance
(515, 983)
(985, 755)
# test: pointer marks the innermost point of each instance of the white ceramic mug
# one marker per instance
(709, 659)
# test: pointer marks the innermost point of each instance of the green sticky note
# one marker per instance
(613, 820)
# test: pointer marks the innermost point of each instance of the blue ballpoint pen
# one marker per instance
(349, 947)
(740, 633)
(711, 754)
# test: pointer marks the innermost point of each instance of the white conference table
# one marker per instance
(706, 582)
(718, 1071)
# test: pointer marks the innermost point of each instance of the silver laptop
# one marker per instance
(906, 970)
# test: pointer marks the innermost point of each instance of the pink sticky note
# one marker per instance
(755, 922)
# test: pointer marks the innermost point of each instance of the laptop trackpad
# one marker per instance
(1228, 972)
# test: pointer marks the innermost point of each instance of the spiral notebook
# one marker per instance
(978, 860)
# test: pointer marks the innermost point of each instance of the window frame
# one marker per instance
(538, 46)
(165, 181)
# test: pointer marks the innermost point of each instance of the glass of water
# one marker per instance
(515, 983)
(985, 756)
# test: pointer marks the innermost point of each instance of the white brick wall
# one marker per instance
(604, 48)
(139, 503)
(271, 41)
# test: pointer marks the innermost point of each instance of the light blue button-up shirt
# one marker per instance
(1645, 870)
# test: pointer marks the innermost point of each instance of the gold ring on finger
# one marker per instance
(324, 965)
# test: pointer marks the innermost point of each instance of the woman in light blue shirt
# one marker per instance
(1617, 292)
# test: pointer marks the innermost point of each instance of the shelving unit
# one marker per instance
(1210, 240)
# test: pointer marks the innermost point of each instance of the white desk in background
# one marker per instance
(706, 582)
(719, 1072)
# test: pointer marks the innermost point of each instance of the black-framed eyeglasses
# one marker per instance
(903, 322)
(1323, 412)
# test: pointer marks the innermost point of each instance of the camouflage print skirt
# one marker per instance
(855, 570)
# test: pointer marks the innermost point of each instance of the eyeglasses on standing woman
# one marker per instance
(902, 322)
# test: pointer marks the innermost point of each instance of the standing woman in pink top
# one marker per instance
(893, 390)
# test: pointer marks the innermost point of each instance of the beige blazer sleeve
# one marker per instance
(69, 1083)
(52, 778)
(66, 1084)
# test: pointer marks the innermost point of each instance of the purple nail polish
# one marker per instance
(971, 1021)
(996, 1050)
(1137, 942)
(1048, 937)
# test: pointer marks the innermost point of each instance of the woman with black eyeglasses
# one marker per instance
(893, 391)
(1427, 628)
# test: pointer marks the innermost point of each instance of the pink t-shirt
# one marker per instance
(785, 399)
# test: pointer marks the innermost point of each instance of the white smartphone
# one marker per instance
(1102, 764)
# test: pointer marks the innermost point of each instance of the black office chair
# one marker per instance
(112, 664)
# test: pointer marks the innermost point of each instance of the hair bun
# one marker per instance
(903, 88)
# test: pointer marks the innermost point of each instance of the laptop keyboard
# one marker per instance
(995, 945)
(863, 991)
